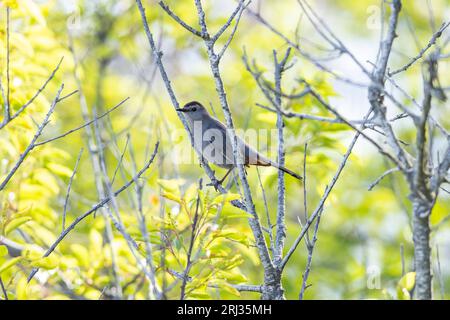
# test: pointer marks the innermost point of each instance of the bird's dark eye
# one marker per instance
(194, 109)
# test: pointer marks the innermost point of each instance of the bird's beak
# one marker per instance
(180, 110)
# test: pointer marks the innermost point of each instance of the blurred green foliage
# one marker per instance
(362, 233)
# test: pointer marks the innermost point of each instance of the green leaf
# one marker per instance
(232, 277)
(172, 196)
(81, 254)
(3, 251)
(14, 224)
(171, 185)
(32, 252)
(406, 285)
(225, 286)
(267, 117)
(33, 9)
(95, 242)
(50, 262)
(230, 211)
(228, 197)
(59, 169)
(8, 264)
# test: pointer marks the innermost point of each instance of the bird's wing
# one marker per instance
(251, 156)
(218, 148)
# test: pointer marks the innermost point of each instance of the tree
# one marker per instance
(90, 209)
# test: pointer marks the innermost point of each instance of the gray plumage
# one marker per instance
(212, 141)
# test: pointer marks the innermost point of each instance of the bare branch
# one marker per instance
(304, 116)
(432, 41)
(241, 8)
(23, 107)
(191, 243)
(305, 191)
(83, 125)
(439, 274)
(303, 53)
(323, 199)
(8, 78)
(368, 138)
(310, 247)
(179, 20)
(157, 54)
(339, 44)
(95, 208)
(377, 181)
(66, 200)
(243, 287)
(2, 286)
(266, 208)
(280, 234)
(32, 143)
(202, 19)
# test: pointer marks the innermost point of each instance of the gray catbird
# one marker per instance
(212, 141)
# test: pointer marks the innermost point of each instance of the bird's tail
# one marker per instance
(263, 161)
(286, 170)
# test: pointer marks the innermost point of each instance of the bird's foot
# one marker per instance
(215, 183)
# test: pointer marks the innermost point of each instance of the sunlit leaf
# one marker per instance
(9, 263)
(14, 224)
(226, 198)
(406, 285)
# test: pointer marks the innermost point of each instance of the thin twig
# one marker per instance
(432, 41)
(377, 181)
(324, 197)
(95, 208)
(229, 21)
(157, 54)
(402, 258)
(88, 123)
(381, 149)
(280, 234)
(32, 143)
(179, 20)
(305, 199)
(8, 84)
(310, 256)
(439, 274)
(266, 209)
(191, 244)
(2, 286)
(24, 106)
(241, 8)
(66, 200)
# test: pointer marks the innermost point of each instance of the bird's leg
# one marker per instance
(226, 175)
(219, 182)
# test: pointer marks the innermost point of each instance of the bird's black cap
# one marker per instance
(191, 104)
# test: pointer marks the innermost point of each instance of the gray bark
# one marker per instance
(422, 250)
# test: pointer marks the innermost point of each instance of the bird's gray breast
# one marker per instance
(212, 142)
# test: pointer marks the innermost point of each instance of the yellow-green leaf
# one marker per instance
(59, 169)
(225, 286)
(172, 196)
(406, 285)
(50, 262)
(8, 264)
(3, 251)
(14, 224)
(226, 198)
(32, 252)
(171, 185)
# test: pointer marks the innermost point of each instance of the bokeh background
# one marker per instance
(364, 235)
